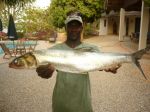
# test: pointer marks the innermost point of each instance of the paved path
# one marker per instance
(126, 91)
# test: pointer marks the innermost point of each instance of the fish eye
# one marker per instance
(16, 61)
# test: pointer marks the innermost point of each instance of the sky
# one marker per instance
(42, 3)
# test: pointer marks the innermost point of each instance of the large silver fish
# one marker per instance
(76, 61)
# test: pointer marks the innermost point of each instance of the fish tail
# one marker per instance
(141, 52)
(138, 55)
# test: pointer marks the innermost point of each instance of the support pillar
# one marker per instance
(122, 24)
(144, 26)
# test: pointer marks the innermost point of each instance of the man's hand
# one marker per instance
(113, 69)
(45, 71)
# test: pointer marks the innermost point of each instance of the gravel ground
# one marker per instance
(126, 91)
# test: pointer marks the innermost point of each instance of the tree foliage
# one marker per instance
(34, 20)
(16, 2)
(90, 10)
(147, 2)
(14, 7)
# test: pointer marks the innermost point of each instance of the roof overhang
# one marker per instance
(129, 5)
(127, 13)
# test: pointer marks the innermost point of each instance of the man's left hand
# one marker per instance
(113, 69)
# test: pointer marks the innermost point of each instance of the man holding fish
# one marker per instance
(72, 92)
(73, 60)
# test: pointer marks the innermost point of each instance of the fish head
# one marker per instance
(27, 60)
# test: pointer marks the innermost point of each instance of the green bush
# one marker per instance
(20, 34)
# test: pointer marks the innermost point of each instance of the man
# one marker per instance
(72, 91)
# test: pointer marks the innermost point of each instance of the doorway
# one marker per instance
(137, 24)
(127, 26)
(115, 28)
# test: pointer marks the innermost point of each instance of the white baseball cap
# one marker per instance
(72, 18)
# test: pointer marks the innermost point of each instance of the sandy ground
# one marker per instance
(126, 91)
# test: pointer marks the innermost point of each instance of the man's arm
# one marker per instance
(46, 71)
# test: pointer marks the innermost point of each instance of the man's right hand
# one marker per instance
(45, 71)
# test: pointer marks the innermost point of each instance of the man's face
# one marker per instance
(74, 29)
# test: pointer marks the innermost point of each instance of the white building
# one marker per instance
(125, 18)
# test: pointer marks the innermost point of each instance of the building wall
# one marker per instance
(103, 26)
(113, 23)
(108, 29)
(131, 25)
(110, 24)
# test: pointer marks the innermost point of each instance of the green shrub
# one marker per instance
(20, 34)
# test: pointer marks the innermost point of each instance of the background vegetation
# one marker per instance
(29, 19)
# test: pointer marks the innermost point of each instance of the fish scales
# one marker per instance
(77, 62)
